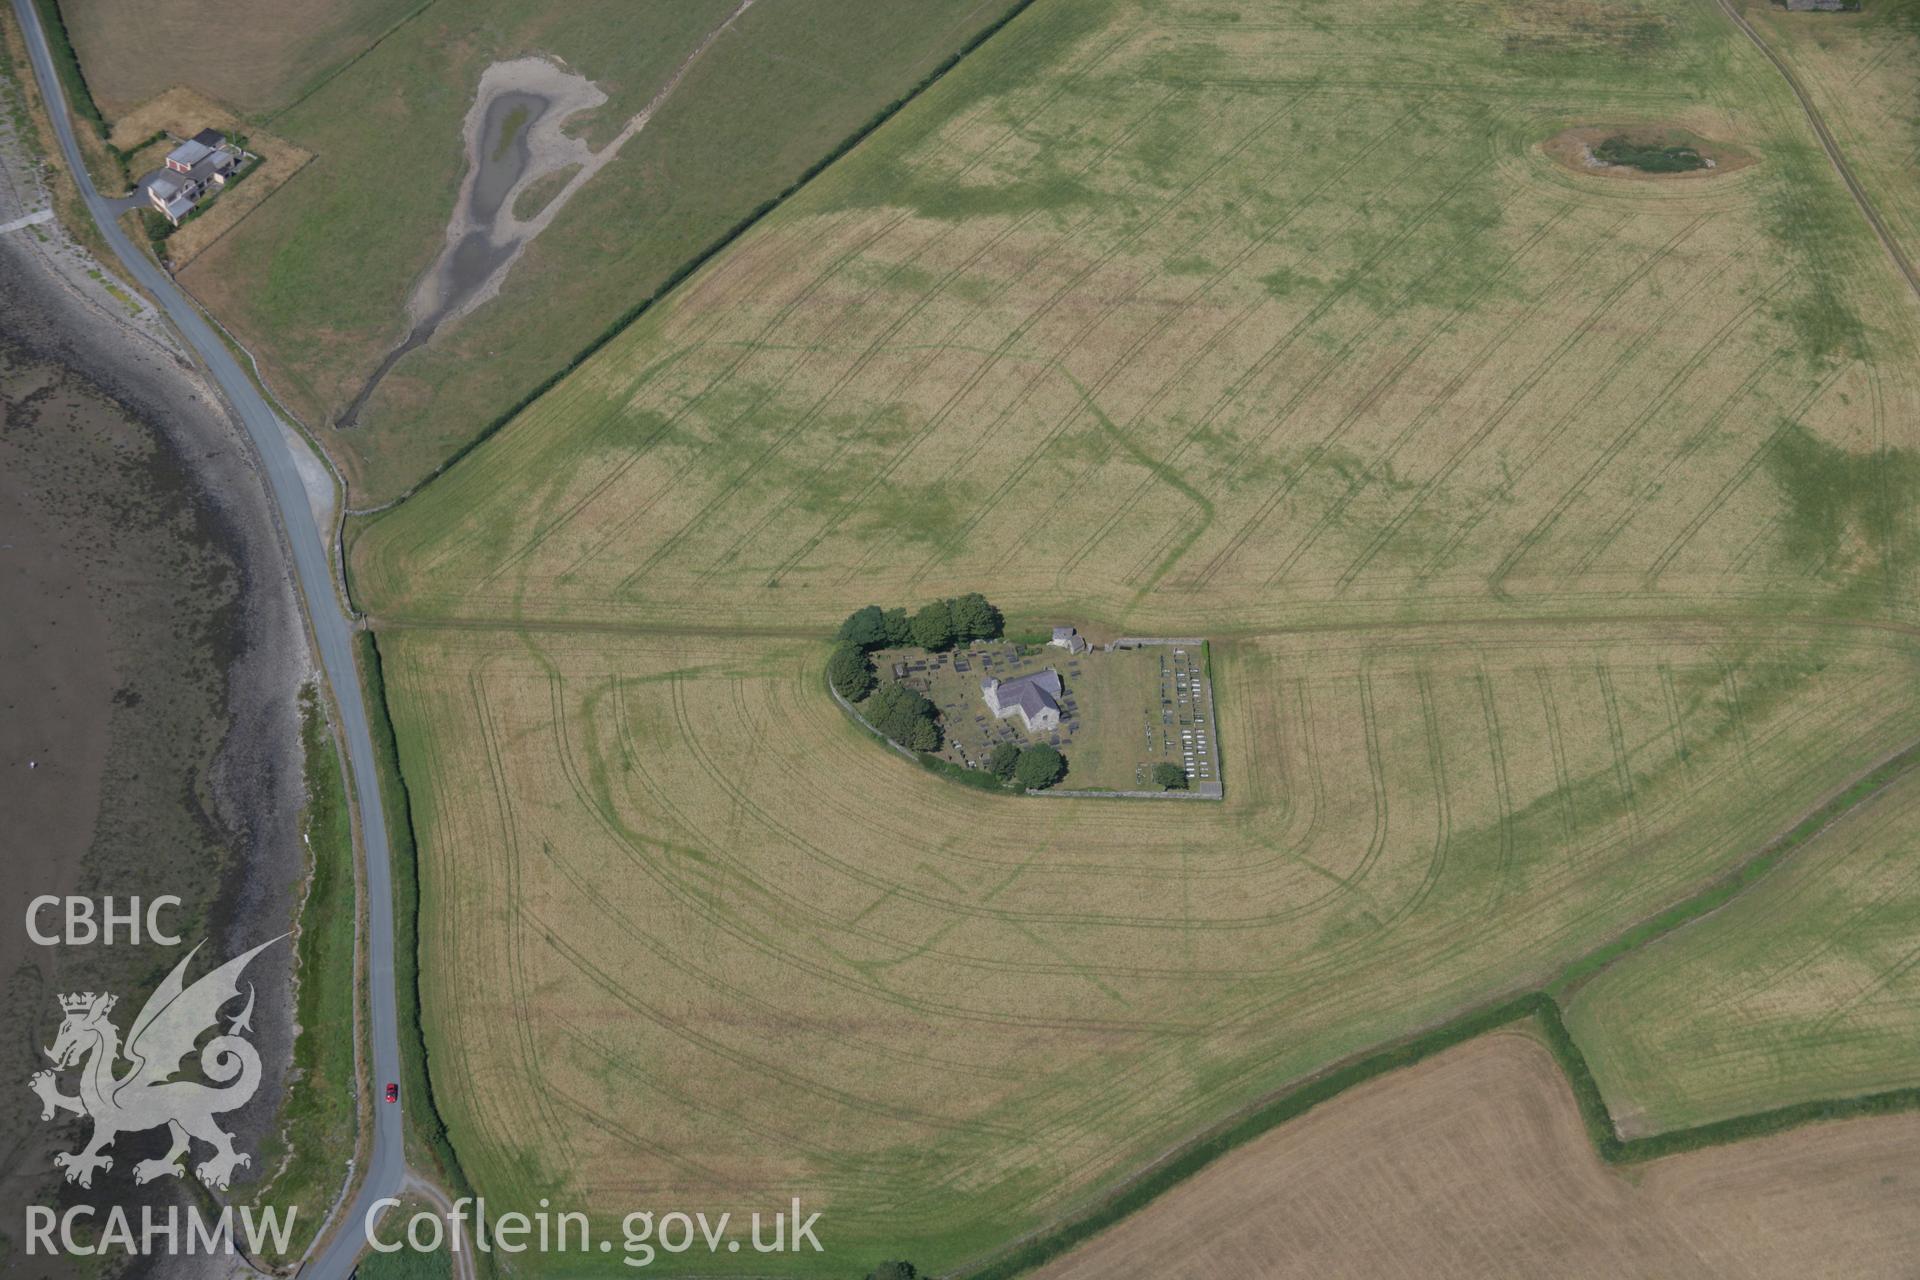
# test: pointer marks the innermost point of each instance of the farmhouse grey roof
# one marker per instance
(1033, 693)
(188, 154)
(210, 138)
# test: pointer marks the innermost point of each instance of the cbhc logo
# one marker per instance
(82, 926)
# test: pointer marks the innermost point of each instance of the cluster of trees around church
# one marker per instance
(1036, 768)
(904, 714)
(937, 626)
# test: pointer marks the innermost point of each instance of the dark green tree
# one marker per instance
(865, 628)
(850, 672)
(894, 1271)
(1170, 777)
(933, 627)
(921, 735)
(1040, 767)
(1002, 759)
(899, 629)
(906, 717)
(974, 618)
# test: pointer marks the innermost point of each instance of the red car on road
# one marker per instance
(393, 1092)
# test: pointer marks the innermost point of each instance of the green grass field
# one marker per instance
(317, 279)
(1804, 988)
(1555, 531)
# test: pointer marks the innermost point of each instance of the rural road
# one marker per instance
(386, 1170)
(1827, 142)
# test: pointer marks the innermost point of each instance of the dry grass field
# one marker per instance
(1474, 1165)
(181, 113)
(1863, 69)
(1149, 317)
(1806, 987)
(1556, 534)
(691, 936)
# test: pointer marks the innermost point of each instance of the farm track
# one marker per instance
(1404, 626)
(1830, 146)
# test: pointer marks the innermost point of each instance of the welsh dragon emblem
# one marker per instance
(146, 1096)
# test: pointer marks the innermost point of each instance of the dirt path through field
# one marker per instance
(514, 138)
(1832, 148)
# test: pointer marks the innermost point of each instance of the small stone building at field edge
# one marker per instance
(1035, 698)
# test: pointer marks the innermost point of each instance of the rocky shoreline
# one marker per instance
(151, 740)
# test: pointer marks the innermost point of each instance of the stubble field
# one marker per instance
(1555, 531)
(1475, 1165)
(693, 937)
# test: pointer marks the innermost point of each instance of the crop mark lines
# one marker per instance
(1540, 444)
(1605, 459)
(634, 1143)
(934, 352)
(1617, 741)
(871, 880)
(539, 1108)
(779, 318)
(813, 922)
(721, 377)
(1557, 752)
(705, 905)
(1155, 554)
(1442, 805)
(1231, 392)
(1676, 727)
(1514, 398)
(1059, 360)
(725, 491)
(1326, 370)
(1437, 402)
(1738, 479)
(765, 1064)
(1502, 791)
(988, 364)
(985, 367)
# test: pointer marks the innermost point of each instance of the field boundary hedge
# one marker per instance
(1541, 1005)
(66, 61)
(679, 275)
(423, 1111)
(1538, 1006)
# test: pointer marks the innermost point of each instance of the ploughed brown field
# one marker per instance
(1474, 1163)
